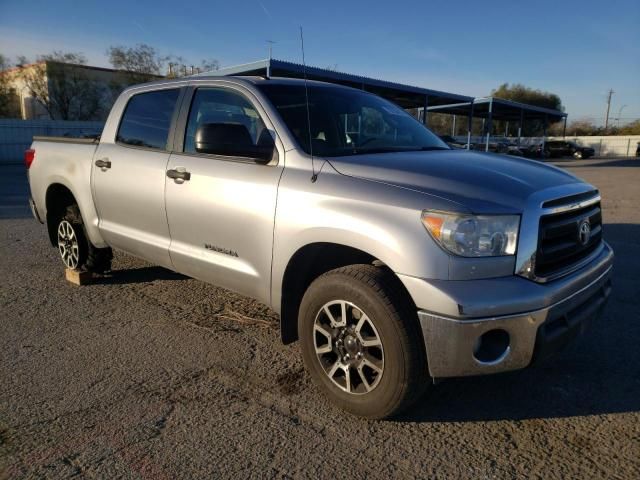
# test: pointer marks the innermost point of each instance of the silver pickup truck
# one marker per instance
(394, 259)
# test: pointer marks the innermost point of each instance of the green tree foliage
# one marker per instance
(520, 93)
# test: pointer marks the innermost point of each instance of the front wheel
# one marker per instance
(361, 342)
(577, 155)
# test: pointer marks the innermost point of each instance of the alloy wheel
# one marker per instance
(348, 347)
(68, 244)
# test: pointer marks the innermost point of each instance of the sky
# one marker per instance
(578, 49)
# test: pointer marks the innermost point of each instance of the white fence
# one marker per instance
(17, 135)
(605, 146)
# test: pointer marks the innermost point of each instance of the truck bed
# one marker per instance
(84, 140)
(64, 162)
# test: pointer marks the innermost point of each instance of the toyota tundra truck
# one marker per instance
(395, 260)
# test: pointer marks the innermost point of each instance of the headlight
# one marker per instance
(473, 235)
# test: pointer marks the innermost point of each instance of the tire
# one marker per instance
(577, 155)
(76, 251)
(375, 304)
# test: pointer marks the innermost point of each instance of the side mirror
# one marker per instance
(233, 140)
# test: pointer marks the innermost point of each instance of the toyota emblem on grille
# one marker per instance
(584, 232)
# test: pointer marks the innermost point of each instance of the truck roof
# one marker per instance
(255, 80)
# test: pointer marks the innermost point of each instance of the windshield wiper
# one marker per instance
(397, 149)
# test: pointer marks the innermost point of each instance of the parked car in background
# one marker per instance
(452, 142)
(533, 151)
(500, 145)
(393, 259)
(566, 148)
(504, 145)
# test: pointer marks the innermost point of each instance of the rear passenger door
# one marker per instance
(128, 176)
(221, 218)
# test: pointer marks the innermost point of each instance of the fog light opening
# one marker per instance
(492, 347)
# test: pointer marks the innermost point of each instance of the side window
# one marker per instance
(147, 118)
(220, 105)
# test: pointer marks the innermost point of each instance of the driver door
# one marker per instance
(221, 217)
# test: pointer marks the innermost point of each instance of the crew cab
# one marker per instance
(393, 259)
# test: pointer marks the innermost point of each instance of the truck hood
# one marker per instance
(478, 182)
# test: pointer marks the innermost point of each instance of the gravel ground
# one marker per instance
(148, 374)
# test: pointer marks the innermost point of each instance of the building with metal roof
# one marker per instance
(408, 96)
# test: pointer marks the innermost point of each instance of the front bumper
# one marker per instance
(459, 345)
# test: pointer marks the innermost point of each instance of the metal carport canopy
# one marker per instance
(406, 96)
(492, 108)
(499, 109)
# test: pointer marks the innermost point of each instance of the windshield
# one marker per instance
(348, 122)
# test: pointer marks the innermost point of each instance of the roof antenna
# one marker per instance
(314, 175)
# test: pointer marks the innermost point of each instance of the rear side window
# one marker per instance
(147, 119)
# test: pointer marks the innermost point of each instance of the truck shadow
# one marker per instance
(138, 275)
(598, 374)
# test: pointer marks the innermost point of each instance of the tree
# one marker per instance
(59, 82)
(9, 103)
(632, 128)
(209, 65)
(520, 93)
(582, 126)
(142, 63)
(139, 64)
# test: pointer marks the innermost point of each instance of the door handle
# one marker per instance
(103, 163)
(178, 175)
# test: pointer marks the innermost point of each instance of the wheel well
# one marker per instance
(305, 266)
(57, 199)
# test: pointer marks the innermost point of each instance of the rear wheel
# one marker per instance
(577, 155)
(76, 251)
(361, 341)
(70, 245)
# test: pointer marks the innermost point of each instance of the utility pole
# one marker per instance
(606, 118)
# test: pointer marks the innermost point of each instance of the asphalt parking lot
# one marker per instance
(149, 374)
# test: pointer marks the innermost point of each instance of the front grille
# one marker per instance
(559, 242)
